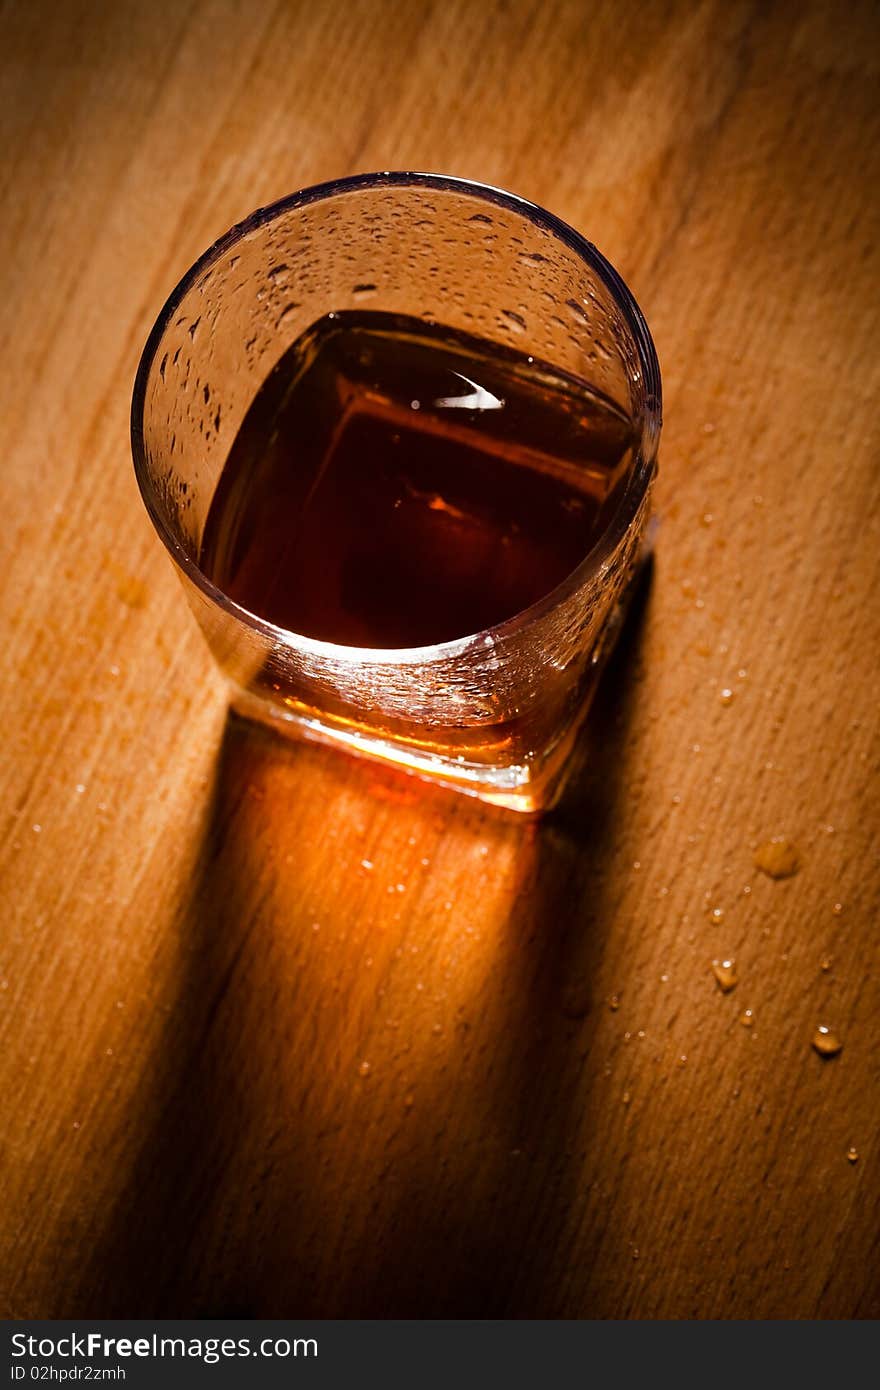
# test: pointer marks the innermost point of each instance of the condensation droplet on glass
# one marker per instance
(726, 696)
(717, 914)
(826, 1043)
(852, 1154)
(778, 858)
(826, 963)
(747, 1018)
(837, 909)
(725, 974)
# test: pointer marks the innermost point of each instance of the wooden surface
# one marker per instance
(242, 1072)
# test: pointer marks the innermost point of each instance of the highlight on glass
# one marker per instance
(399, 433)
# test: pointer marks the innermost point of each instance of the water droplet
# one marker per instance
(725, 974)
(626, 1097)
(747, 1018)
(717, 914)
(682, 1059)
(664, 979)
(778, 858)
(826, 1043)
(707, 518)
(365, 1069)
(36, 829)
(852, 1154)
(837, 909)
(726, 696)
(366, 864)
(635, 1252)
(614, 1002)
(826, 963)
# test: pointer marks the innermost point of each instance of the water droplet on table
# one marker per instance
(778, 858)
(747, 1018)
(725, 974)
(852, 1154)
(826, 1043)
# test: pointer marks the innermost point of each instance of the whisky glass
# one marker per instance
(493, 713)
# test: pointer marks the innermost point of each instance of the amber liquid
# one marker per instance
(398, 485)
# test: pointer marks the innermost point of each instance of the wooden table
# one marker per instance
(242, 1072)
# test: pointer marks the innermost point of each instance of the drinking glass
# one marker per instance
(492, 713)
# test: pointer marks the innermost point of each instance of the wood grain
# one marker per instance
(242, 1072)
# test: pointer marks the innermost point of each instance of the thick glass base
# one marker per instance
(526, 788)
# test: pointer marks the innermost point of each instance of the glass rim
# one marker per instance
(593, 560)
